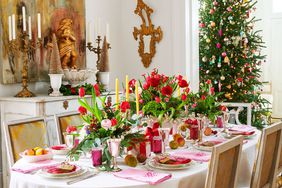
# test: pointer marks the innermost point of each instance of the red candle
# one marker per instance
(96, 155)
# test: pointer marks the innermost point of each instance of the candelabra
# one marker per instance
(26, 47)
(97, 50)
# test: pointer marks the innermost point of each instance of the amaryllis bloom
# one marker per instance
(183, 97)
(106, 124)
(179, 77)
(155, 81)
(187, 90)
(97, 90)
(71, 129)
(114, 121)
(183, 83)
(167, 90)
(218, 45)
(82, 110)
(203, 97)
(81, 92)
(165, 78)
(146, 86)
(157, 99)
(208, 82)
(131, 85)
(212, 90)
(124, 106)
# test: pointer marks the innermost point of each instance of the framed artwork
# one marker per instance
(52, 12)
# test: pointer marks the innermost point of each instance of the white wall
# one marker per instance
(124, 58)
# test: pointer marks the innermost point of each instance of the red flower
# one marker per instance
(156, 125)
(183, 83)
(203, 97)
(179, 77)
(73, 91)
(194, 105)
(183, 97)
(124, 106)
(114, 121)
(97, 90)
(212, 90)
(71, 129)
(131, 85)
(240, 79)
(155, 81)
(187, 90)
(222, 108)
(81, 92)
(157, 99)
(82, 110)
(167, 90)
(165, 78)
(208, 82)
(146, 86)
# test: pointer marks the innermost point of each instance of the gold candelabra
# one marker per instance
(97, 50)
(26, 47)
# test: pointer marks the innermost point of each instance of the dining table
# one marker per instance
(192, 177)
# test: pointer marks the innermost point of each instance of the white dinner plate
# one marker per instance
(45, 174)
(226, 135)
(202, 148)
(153, 164)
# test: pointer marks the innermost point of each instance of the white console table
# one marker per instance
(21, 108)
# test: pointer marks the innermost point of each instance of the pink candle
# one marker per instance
(219, 122)
(96, 155)
(157, 144)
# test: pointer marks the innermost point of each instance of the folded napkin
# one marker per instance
(242, 130)
(215, 140)
(25, 167)
(193, 155)
(146, 176)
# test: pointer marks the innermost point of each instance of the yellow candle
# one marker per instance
(178, 91)
(117, 94)
(137, 98)
(126, 88)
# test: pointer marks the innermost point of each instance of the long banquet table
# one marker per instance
(193, 177)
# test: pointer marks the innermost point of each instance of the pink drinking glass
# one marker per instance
(194, 132)
(114, 149)
(96, 155)
(164, 134)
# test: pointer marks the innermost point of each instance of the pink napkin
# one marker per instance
(25, 167)
(143, 175)
(243, 129)
(215, 140)
(193, 155)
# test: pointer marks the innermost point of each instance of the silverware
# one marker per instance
(82, 178)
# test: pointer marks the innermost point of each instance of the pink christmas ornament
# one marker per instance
(211, 11)
(223, 54)
(229, 9)
(202, 25)
(220, 32)
(218, 45)
(215, 3)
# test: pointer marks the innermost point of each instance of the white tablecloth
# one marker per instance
(194, 177)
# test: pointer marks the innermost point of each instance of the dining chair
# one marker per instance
(269, 157)
(224, 164)
(64, 120)
(240, 107)
(24, 134)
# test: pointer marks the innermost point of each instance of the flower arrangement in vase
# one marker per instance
(104, 123)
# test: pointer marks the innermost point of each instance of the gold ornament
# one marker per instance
(208, 40)
(228, 95)
(222, 78)
(229, 86)
(212, 24)
(226, 60)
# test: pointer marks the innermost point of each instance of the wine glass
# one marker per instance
(114, 149)
(226, 116)
(164, 133)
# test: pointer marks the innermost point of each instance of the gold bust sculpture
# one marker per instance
(66, 44)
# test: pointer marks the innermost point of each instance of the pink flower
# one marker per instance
(146, 86)
(211, 11)
(81, 92)
(166, 99)
(223, 54)
(203, 97)
(157, 99)
(141, 101)
(212, 90)
(114, 121)
(183, 97)
(82, 110)
(229, 9)
(97, 90)
(218, 45)
(215, 3)
(71, 129)
(202, 25)
(106, 124)
(194, 105)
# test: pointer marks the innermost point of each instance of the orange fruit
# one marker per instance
(176, 136)
(183, 127)
(45, 151)
(141, 158)
(39, 151)
(173, 144)
(181, 141)
(208, 131)
(130, 160)
(29, 152)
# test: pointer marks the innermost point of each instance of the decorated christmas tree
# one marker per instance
(230, 52)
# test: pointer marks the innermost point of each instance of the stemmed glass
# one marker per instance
(226, 116)
(164, 133)
(114, 149)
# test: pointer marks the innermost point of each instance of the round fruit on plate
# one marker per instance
(36, 154)
(60, 149)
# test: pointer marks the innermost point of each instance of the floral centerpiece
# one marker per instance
(158, 97)
(104, 122)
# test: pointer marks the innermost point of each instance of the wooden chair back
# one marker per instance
(268, 158)
(64, 120)
(224, 164)
(24, 134)
(240, 107)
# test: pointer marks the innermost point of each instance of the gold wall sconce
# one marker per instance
(147, 48)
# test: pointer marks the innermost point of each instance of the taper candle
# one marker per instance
(126, 88)
(10, 27)
(89, 38)
(117, 94)
(39, 25)
(99, 27)
(108, 32)
(137, 98)
(14, 26)
(24, 18)
(29, 28)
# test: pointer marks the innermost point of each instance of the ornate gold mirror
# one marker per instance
(147, 34)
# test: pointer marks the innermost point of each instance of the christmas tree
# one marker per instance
(230, 52)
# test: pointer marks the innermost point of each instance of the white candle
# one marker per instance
(24, 19)
(99, 27)
(39, 25)
(14, 26)
(29, 28)
(108, 32)
(95, 30)
(10, 27)
(89, 38)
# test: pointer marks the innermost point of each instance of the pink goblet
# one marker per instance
(114, 149)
